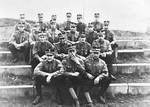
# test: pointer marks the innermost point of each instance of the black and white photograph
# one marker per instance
(74, 53)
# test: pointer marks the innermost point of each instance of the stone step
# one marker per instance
(10, 79)
(126, 68)
(123, 56)
(123, 44)
(133, 43)
(114, 89)
(16, 69)
(3, 46)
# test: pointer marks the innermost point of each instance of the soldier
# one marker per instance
(109, 35)
(53, 20)
(35, 32)
(39, 49)
(43, 26)
(53, 33)
(97, 72)
(23, 21)
(66, 26)
(80, 25)
(20, 42)
(73, 35)
(98, 26)
(83, 47)
(91, 35)
(74, 70)
(47, 73)
(105, 50)
(62, 45)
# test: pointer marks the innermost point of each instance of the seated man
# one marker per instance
(97, 72)
(74, 70)
(105, 52)
(83, 47)
(39, 49)
(35, 32)
(73, 35)
(47, 73)
(91, 35)
(62, 45)
(27, 26)
(20, 42)
(110, 36)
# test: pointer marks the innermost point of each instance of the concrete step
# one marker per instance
(133, 44)
(114, 89)
(16, 69)
(123, 44)
(126, 68)
(4, 46)
(8, 79)
(123, 55)
(132, 78)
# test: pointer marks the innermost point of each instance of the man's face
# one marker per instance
(79, 19)
(96, 54)
(53, 26)
(68, 18)
(96, 18)
(50, 57)
(102, 35)
(72, 52)
(90, 28)
(62, 40)
(22, 20)
(36, 27)
(82, 39)
(105, 27)
(21, 28)
(40, 19)
(73, 28)
(42, 38)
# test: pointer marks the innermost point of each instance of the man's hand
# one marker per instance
(48, 79)
(18, 46)
(72, 74)
(90, 76)
(103, 54)
(97, 79)
(41, 59)
(75, 59)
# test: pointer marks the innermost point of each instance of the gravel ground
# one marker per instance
(118, 101)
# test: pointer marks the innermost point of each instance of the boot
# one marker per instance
(102, 100)
(77, 104)
(90, 105)
(113, 78)
(37, 100)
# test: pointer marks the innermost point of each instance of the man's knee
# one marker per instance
(38, 79)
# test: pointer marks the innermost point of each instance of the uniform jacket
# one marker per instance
(83, 48)
(49, 67)
(40, 47)
(98, 26)
(81, 28)
(73, 36)
(27, 27)
(71, 66)
(66, 25)
(53, 36)
(62, 47)
(91, 36)
(20, 37)
(103, 45)
(95, 67)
